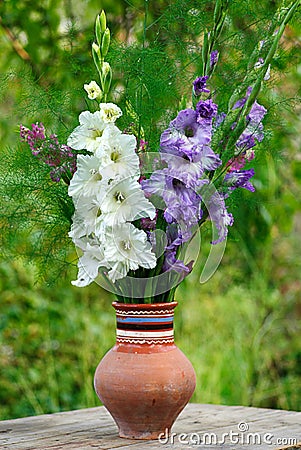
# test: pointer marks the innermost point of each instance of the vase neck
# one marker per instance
(145, 324)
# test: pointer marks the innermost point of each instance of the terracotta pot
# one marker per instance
(144, 380)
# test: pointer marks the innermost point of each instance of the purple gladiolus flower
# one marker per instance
(254, 129)
(239, 179)
(172, 263)
(254, 118)
(219, 215)
(257, 113)
(185, 145)
(184, 135)
(246, 141)
(205, 109)
(252, 134)
(240, 103)
(219, 120)
(199, 86)
(190, 171)
(213, 58)
(174, 240)
(182, 203)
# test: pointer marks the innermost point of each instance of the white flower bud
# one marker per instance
(105, 68)
(109, 112)
(93, 90)
(96, 48)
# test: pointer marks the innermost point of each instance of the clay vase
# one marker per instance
(144, 381)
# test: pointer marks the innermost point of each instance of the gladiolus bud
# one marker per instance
(96, 49)
(103, 21)
(105, 69)
(107, 80)
(105, 43)
(98, 32)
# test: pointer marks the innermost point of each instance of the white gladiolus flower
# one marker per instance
(88, 134)
(127, 248)
(87, 218)
(110, 133)
(109, 112)
(93, 90)
(123, 202)
(119, 159)
(87, 179)
(83, 242)
(78, 229)
(89, 264)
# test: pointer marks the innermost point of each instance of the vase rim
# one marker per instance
(144, 306)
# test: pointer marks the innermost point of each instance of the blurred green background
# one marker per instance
(241, 329)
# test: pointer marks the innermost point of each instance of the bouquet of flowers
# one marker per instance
(138, 210)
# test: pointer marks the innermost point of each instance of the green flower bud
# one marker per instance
(103, 21)
(96, 57)
(218, 11)
(105, 43)
(107, 80)
(98, 32)
(205, 50)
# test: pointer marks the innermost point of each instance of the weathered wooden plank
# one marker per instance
(197, 427)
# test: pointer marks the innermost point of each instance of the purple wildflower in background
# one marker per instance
(33, 137)
(239, 179)
(59, 157)
(199, 86)
(240, 161)
(143, 145)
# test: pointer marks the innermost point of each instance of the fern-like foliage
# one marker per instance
(35, 213)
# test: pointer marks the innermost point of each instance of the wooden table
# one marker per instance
(198, 427)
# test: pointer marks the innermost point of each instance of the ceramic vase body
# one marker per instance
(144, 380)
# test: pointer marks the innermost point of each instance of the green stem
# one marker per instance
(142, 67)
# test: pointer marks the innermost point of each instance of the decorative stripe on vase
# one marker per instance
(150, 327)
(139, 312)
(149, 337)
